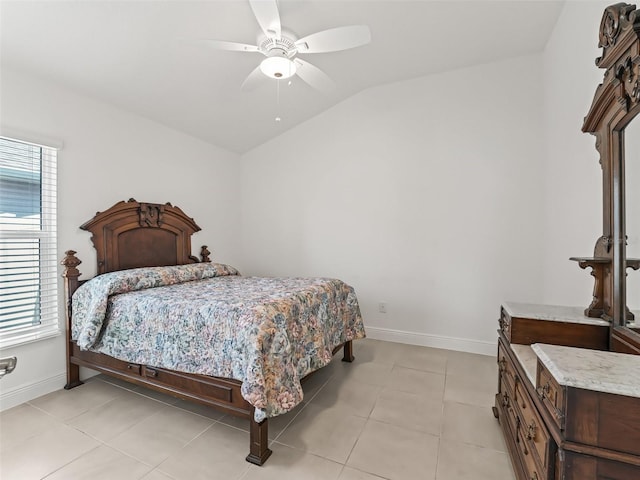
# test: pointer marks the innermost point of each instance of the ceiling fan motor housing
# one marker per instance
(277, 52)
(284, 43)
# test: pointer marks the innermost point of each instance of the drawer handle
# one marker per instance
(534, 476)
(133, 366)
(543, 392)
(504, 323)
(531, 431)
(505, 400)
(502, 365)
(150, 372)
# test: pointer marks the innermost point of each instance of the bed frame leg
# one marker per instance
(71, 284)
(73, 376)
(258, 442)
(348, 352)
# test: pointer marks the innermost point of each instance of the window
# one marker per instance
(28, 266)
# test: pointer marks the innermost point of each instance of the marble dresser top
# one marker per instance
(607, 372)
(528, 359)
(554, 313)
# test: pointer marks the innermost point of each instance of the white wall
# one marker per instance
(424, 194)
(573, 177)
(108, 156)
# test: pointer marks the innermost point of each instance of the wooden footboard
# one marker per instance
(219, 393)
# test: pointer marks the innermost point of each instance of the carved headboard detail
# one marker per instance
(133, 234)
(151, 214)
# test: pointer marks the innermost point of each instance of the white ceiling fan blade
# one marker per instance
(335, 39)
(266, 12)
(314, 76)
(254, 80)
(233, 46)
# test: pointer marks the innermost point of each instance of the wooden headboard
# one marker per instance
(133, 234)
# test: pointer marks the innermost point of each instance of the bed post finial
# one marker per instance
(204, 253)
(70, 275)
(70, 262)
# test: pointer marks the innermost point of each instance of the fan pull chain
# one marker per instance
(278, 119)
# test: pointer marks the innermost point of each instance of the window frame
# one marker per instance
(48, 289)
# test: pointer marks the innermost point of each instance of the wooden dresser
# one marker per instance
(567, 413)
(568, 394)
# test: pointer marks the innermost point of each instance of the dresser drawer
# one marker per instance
(506, 394)
(509, 409)
(534, 470)
(521, 324)
(505, 366)
(533, 428)
(505, 403)
(552, 395)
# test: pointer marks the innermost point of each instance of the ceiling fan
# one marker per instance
(282, 48)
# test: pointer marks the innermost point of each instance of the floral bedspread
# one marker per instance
(207, 319)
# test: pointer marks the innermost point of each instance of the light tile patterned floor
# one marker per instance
(397, 412)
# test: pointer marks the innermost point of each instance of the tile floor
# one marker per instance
(397, 412)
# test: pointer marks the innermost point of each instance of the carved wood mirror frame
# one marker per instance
(616, 103)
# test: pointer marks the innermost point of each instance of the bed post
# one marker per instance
(70, 275)
(204, 254)
(348, 352)
(258, 441)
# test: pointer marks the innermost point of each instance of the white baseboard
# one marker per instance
(435, 341)
(25, 393)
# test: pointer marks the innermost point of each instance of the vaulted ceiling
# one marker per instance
(149, 57)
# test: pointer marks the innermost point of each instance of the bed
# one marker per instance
(157, 316)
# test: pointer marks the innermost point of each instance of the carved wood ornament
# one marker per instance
(615, 104)
(151, 214)
(133, 234)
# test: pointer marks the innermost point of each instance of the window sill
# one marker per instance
(23, 337)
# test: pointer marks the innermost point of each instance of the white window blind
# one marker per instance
(28, 266)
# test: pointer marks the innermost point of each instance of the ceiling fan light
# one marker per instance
(278, 67)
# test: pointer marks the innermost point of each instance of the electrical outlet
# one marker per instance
(382, 307)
